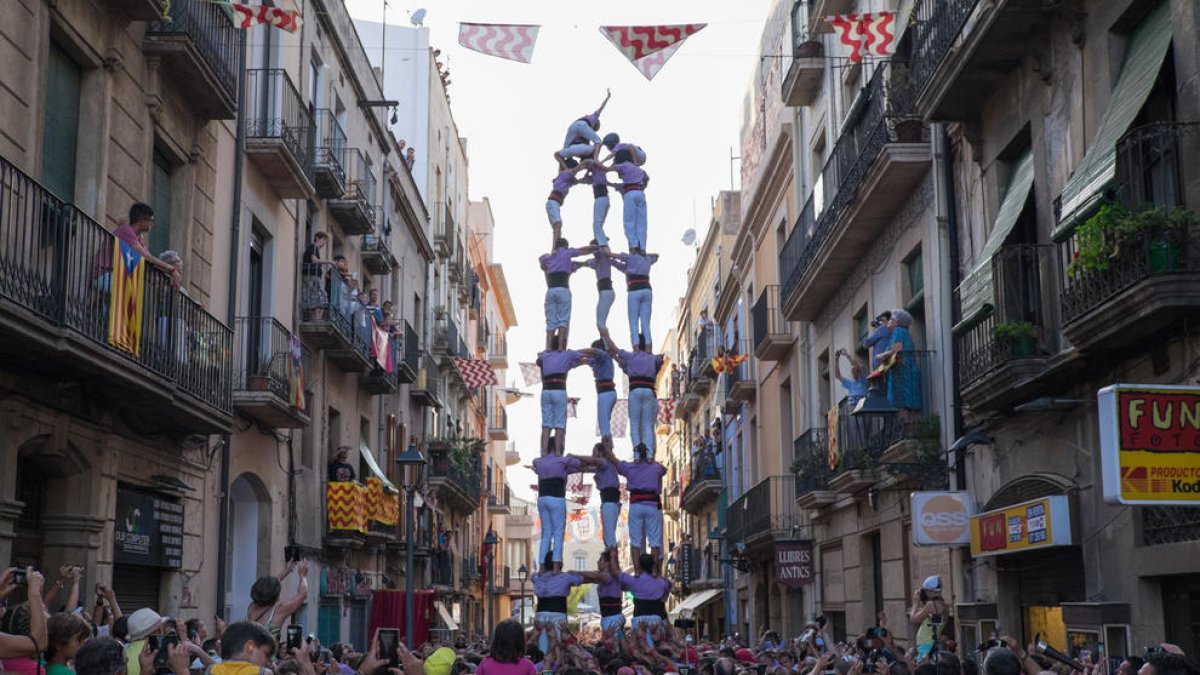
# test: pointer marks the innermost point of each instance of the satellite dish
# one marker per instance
(689, 237)
(417, 18)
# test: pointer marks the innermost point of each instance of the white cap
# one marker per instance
(933, 583)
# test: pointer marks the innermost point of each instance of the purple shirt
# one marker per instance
(556, 363)
(555, 585)
(599, 178)
(642, 476)
(556, 466)
(630, 173)
(602, 264)
(127, 234)
(602, 366)
(563, 181)
(559, 260)
(610, 588)
(639, 364)
(645, 587)
(634, 263)
(606, 477)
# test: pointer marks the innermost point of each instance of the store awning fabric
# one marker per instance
(444, 613)
(374, 467)
(694, 602)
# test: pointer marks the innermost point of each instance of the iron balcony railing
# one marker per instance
(265, 351)
(467, 479)
(57, 262)
(1016, 326)
(499, 416)
(339, 306)
(211, 31)
(885, 101)
(499, 346)
(411, 356)
(331, 145)
(764, 510)
(811, 463)
(768, 319)
(862, 439)
(361, 185)
(442, 568)
(377, 372)
(274, 109)
(936, 28)
(704, 349)
(1149, 170)
(742, 373)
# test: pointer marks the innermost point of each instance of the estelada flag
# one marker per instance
(125, 298)
(296, 372)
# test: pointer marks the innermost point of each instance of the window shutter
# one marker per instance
(61, 133)
(160, 201)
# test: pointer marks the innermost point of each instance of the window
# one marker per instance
(60, 136)
(329, 623)
(862, 325)
(580, 562)
(787, 435)
(823, 382)
(333, 433)
(914, 280)
(160, 201)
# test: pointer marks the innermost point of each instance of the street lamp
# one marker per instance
(490, 542)
(412, 471)
(522, 574)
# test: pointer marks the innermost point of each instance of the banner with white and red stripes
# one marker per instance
(504, 40)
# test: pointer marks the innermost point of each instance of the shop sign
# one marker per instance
(794, 562)
(1150, 444)
(685, 561)
(1036, 524)
(148, 529)
(942, 518)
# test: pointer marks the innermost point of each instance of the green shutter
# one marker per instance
(160, 201)
(61, 133)
(329, 623)
(976, 292)
(1143, 59)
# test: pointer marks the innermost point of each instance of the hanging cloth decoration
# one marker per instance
(666, 412)
(250, 15)
(649, 48)
(504, 40)
(868, 34)
(532, 374)
(572, 406)
(726, 363)
(476, 372)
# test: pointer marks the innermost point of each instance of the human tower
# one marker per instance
(580, 162)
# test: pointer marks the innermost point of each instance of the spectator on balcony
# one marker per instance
(389, 317)
(878, 339)
(373, 308)
(568, 176)
(558, 266)
(903, 379)
(133, 234)
(581, 139)
(635, 265)
(266, 609)
(340, 471)
(313, 293)
(410, 158)
(856, 384)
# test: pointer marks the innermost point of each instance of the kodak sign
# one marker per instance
(1150, 444)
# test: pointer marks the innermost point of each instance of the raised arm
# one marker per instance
(292, 604)
(607, 95)
(595, 577)
(619, 263)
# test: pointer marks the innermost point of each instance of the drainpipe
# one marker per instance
(239, 156)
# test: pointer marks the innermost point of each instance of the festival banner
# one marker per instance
(649, 48)
(504, 40)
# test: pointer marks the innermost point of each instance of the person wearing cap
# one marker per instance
(928, 613)
(582, 139)
(142, 624)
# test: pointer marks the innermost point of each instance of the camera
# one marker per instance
(294, 633)
(880, 320)
(19, 577)
(163, 656)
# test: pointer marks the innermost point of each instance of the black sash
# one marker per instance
(610, 495)
(604, 284)
(558, 279)
(554, 381)
(648, 607)
(605, 385)
(637, 282)
(641, 382)
(554, 603)
(552, 487)
(610, 606)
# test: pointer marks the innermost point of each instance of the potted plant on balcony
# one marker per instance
(1112, 233)
(1019, 336)
(260, 379)
(900, 92)
(810, 49)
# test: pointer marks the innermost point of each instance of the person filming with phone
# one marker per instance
(928, 613)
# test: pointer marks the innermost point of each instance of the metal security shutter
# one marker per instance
(329, 623)
(358, 625)
(160, 201)
(61, 135)
(137, 586)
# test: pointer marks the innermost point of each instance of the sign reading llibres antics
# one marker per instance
(1040, 523)
(794, 562)
(1150, 444)
(148, 529)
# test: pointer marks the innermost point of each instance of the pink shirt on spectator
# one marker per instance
(490, 666)
(127, 234)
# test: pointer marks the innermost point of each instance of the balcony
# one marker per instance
(198, 48)
(963, 49)
(410, 356)
(447, 342)
(740, 384)
(54, 322)
(444, 233)
(511, 457)
(329, 161)
(355, 210)
(380, 379)
(498, 420)
(498, 351)
(704, 487)
(382, 512)
(804, 77)
(428, 388)
(811, 466)
(442, 571)
(877, 162)
(269, 375)
(500, 504)
(458, 482)
(376, 256)
(279, 132)
(518, 524)
(773, 337)
(764, 513)
(336, 324)
(137, 10)
(1131, 271)
(345, 514)
(1001, 355)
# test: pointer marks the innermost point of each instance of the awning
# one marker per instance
(694, 602)
(976, 289)
(374, 467)
(1143, 59)
(444, 613)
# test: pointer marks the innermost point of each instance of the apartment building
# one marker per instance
(1047, 132)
